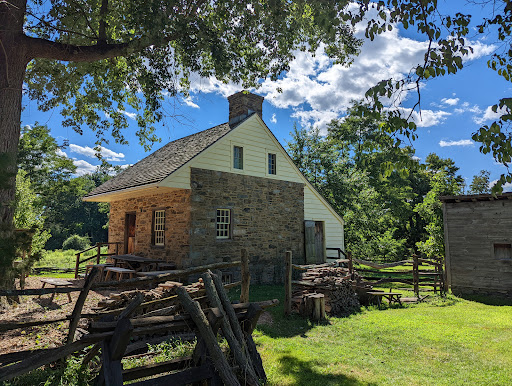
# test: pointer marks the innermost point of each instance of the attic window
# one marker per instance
(223, 223)
(271, 163)
(503, 251)
(238, 157)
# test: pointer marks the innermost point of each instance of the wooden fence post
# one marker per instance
(246, 277)
(98, 245)
(350, 263)
(288, 283)
(77, 265)
(415, 275)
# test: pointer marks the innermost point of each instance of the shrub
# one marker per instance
(76, 242)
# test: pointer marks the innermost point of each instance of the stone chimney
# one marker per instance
(242, 104)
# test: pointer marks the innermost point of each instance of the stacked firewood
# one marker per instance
(335, 283)
(164, 290)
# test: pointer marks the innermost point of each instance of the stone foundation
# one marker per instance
(177, 224)
(267, 218)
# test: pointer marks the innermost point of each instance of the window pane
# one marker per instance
(159, 227)
(238, 157)
(223, 223)
(271, 163)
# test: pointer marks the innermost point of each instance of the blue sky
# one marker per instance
(316, 91)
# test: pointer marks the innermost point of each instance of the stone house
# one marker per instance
(478, 243)
(202, 198)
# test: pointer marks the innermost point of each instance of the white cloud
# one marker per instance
(416, 158)
(317, 90)
(461, 142)
(61, 153)
(425, 118)
(83, 167)
(87, 151)
(190, 103)
(450, 101)
(273, 119)
(489, 115)
(129, 115)
(507, 187)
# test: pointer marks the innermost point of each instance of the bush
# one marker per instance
(76, 242)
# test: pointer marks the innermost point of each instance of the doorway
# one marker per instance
(314, 239)
(129, 233)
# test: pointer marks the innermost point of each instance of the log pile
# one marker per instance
(335, 283)
(164, 290)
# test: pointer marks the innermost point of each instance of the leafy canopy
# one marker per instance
(105, 57)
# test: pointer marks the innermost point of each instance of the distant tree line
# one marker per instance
(388, 198)
(49, 194)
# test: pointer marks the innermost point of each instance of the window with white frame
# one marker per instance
(223, 223)
(238, 157)
(159, 227)
(271, 163)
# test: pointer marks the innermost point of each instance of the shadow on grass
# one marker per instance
(488, 300)
(304, 373)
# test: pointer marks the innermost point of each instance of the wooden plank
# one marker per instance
(33, 323)
(75, 315)
(184, 377)
(243, 361)
(156, 368)
(210, 339)
(246, 277)
(39, 291)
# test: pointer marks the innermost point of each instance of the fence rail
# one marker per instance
(98, 254)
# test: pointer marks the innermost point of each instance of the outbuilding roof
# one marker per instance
(476, 197)
(158, 165)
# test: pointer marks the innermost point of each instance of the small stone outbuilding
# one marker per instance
(478, 244)
(202, 198)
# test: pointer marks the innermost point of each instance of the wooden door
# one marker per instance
(314, 239)
(129, 234)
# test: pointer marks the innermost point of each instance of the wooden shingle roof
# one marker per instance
(158, 165)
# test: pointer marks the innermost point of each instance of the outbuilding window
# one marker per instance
(159, 228)
(223, 223)
(503, 251)
(238, 157)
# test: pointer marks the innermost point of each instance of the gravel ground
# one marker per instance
(31, 308)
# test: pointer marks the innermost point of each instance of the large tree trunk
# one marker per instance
(13, 62)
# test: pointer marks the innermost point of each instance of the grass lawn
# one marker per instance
(452, 341)
(65, 259)
(449, 341)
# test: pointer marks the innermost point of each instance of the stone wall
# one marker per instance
(267, 219)
(177, 224)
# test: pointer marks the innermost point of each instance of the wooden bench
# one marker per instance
(120, 272)
(392, 297)
(101, 269)
(56, 283)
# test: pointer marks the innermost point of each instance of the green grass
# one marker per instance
(445, 341)
(448, 341)
(65, 259)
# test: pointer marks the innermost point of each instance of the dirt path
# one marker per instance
(31, 308)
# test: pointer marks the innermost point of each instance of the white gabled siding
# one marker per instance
(252, 135)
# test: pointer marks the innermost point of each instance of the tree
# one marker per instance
(449, 42)
(480, 183)
(97, 59)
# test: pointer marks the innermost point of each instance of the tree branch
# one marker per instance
(102, 31)
(47, 49)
